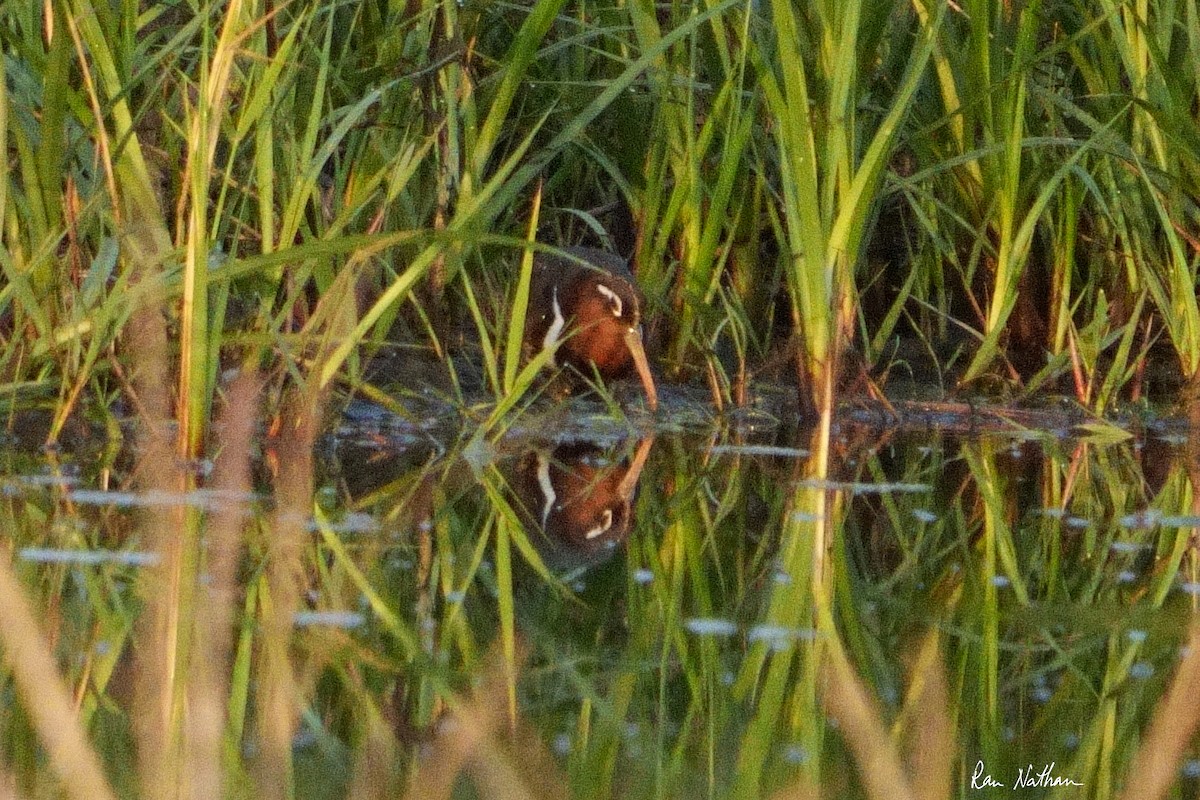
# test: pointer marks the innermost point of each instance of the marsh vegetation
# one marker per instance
(223, 225)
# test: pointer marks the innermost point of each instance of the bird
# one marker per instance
(585, 302)
(579, 496)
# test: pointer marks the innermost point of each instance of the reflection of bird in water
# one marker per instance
(577, 503)
(589, 305)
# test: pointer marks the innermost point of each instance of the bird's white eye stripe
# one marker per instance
(606, 521)
(617, 305)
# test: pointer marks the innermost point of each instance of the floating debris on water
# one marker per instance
(1140, 520)
(758, 450)
(352, 522)
(1128, 547)
(51, 555)
(796, 754)
(1141, 670)
(779, 637)
(708, 626)
(207, 499)
(329, 619)
(856, 487)
(47, 480)
(1179, 521)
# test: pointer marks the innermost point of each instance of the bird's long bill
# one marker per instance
(629, 482)
(633, 340)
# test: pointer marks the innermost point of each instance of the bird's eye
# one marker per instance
(614, 301)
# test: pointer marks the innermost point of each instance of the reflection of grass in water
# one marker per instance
(421, 697)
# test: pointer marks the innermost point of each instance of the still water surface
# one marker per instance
(632, 609)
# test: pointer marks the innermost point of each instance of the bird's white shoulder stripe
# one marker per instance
(555, 330)
(549, 496)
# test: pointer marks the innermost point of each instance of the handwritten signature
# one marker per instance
(1028, 777)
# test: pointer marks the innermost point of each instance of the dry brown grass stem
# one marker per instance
(931, 741)
(860, 723)
(208, 687)
(1155, 768)
(880, 766)
(8, 786)
(801, 790)
(477, 736)
(291, 459)
(157, 638)
(45, 697)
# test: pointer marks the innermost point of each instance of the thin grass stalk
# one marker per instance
(403, 633)
(713, 211)
(503, 759)
(844, 694)
(1122, 371)
(1132, 34)
(374, 774)
(305, 150)
(987, 658)
(933, 742)
(795, 139)
(1016, 246)
(506, 612)
(517, 62)
(944, 70)
(1174, 292)
(675, 157)
(144, 236)
(45, 697)
(1066, 236)
(8, 784)
(263, 128)
(1005, 128)
(455, 84)
(5, 178)
(53, 131)
(520, 305)
(196, 350)
(484, 203)
(491, 366)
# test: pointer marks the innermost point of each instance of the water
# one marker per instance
(665, 607)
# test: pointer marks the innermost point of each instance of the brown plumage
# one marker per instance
(593, 310)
